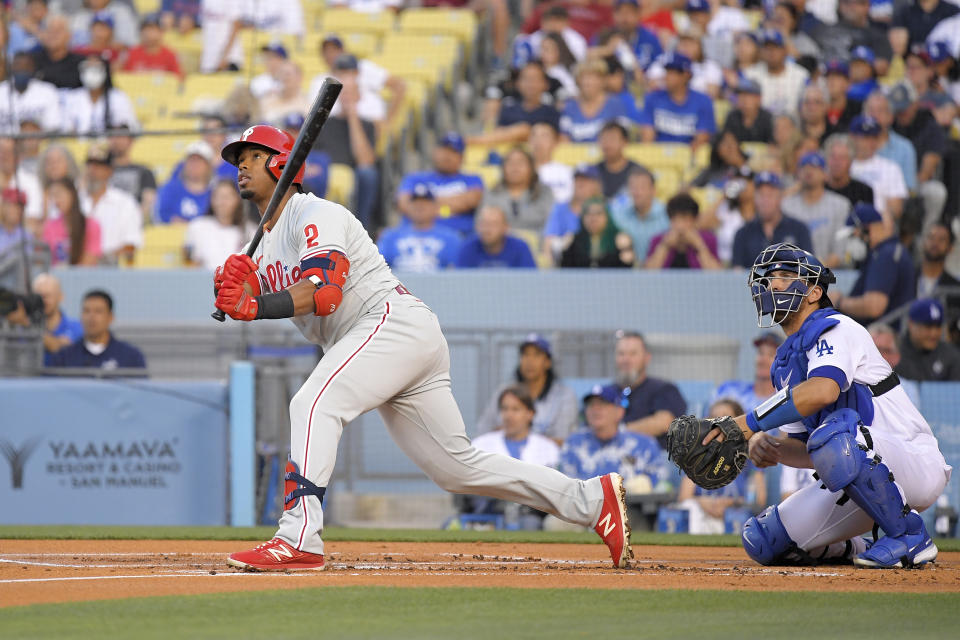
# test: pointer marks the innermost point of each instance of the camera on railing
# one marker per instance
(11, 302)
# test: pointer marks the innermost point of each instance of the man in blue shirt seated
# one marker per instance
(651, 403)
(677, 113)
(492, 246)
(457, 194)
(187, 194)
(770, 225)
(98, 348)
(750, 393)
(643, 43)
(533, 105)
(420, 245)
(886, 279)
(60, 330)
(606, 447)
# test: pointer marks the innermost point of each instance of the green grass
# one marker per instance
(383, 612)
(337, 534)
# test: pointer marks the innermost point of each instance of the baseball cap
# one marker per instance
(292, 120)
(746, 85)
(677, 62)
(771, 36)
(632, 3)
(202, 149)
(938, 51)
(863, 214)
(14, 196)
(99, 153)
(452, 140)
(276, 49)
(607, 392)
(537, 341)
(864, 126)
(346, 62)
(927, 311)
(332, 38)
(813, 159)
(586, 171)
(837, 66)
(698, 6)
(421, 191)
(768, 337)
(862, 53)
(901, 96)
(150, 20)
(103, 18)
(768, 178)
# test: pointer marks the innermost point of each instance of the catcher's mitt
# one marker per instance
(714, 465)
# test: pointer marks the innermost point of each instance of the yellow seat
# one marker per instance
(657, 155)
(149, 92)
(189, 48)
(162, 247)
(313, 11)
(490, 175)
(144, 7)
(701, 157)
(756, 150)
(160, 153)
(477, 155)
(340, 184)
(439, 51)
(533, 240)
(346, 21)
(459, 23)
(572, 154)
(721, 108)
(706, 197)
(668, 182)
(412, 65)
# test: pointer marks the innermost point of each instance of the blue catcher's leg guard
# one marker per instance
(767, 542)
(296, 486)
(843, 464)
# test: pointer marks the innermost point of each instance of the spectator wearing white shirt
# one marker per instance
(211, 238)
(97, 106)
(718, 24)
(221, 22)
(879, 173)
(556, 19)
(291, 98)
(781, 80)
(124, 22)
(117, 213)
(367, 6)
(556, 175)
(274, 57)
(23, 97)
(13, 176)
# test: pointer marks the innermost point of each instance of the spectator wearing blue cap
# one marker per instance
(748, 120)
(913, 22)
(151, 54)
(458, 194)
(886, 280)
(924, 355)
(824, 212)
(564, 220)
(677, 113)
(854, 29)
(706, 76)
(585, 115)
(605, 446)
(781, 80)
(863, 76)
(841, 109)
(419, 244)
(770, 225)
(651, 403)
(638, 213)
(101, 42)
(750, 393)
(492, 246)
(273, 55)
(882, 175)
(123, 18)
(554, 403)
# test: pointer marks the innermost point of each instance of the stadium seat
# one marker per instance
(362, 44)
(572, 154)
(340, 185)
(721, 108)
(534, 241)
(144, 7)
(460, 23)
(489, 174)
(668, 181)
(148, 92)
(438, 51)
(478, 155)
(706, 197)
(189, 48)
(412, 65)
(660, 155)
(161, 153)
(346, 21)
(162, 247)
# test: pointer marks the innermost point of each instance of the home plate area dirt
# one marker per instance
(35, 571)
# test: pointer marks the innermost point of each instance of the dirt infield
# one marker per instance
(35, 571)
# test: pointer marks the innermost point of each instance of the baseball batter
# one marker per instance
(844, 414)
(383, 349)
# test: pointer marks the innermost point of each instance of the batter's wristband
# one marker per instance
(274, 306)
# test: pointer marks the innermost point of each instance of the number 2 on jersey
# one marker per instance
(311, 232)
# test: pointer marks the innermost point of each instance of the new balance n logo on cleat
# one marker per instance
(275, 555)
(613, 526)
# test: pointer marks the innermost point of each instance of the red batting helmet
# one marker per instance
(276, 140)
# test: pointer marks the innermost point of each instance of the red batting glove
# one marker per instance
(217, 281)
(237, 303)
(238, 267)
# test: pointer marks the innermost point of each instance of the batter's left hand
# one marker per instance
(237, 303)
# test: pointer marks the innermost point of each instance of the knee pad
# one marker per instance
(843, 464)
(764, 538)
(295, 486)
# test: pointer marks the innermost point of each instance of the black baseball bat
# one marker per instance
(317, 117)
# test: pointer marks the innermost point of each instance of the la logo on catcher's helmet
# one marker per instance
(804, 271)
(276, 140)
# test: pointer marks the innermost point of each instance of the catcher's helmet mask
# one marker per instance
(773, 307)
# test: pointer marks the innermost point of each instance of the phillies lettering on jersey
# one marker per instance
(281, 276)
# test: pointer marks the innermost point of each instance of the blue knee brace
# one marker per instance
(843, 465)
(764, 538)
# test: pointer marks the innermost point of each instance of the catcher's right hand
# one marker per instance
(712, 465)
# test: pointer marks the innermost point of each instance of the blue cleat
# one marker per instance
(912, 549)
